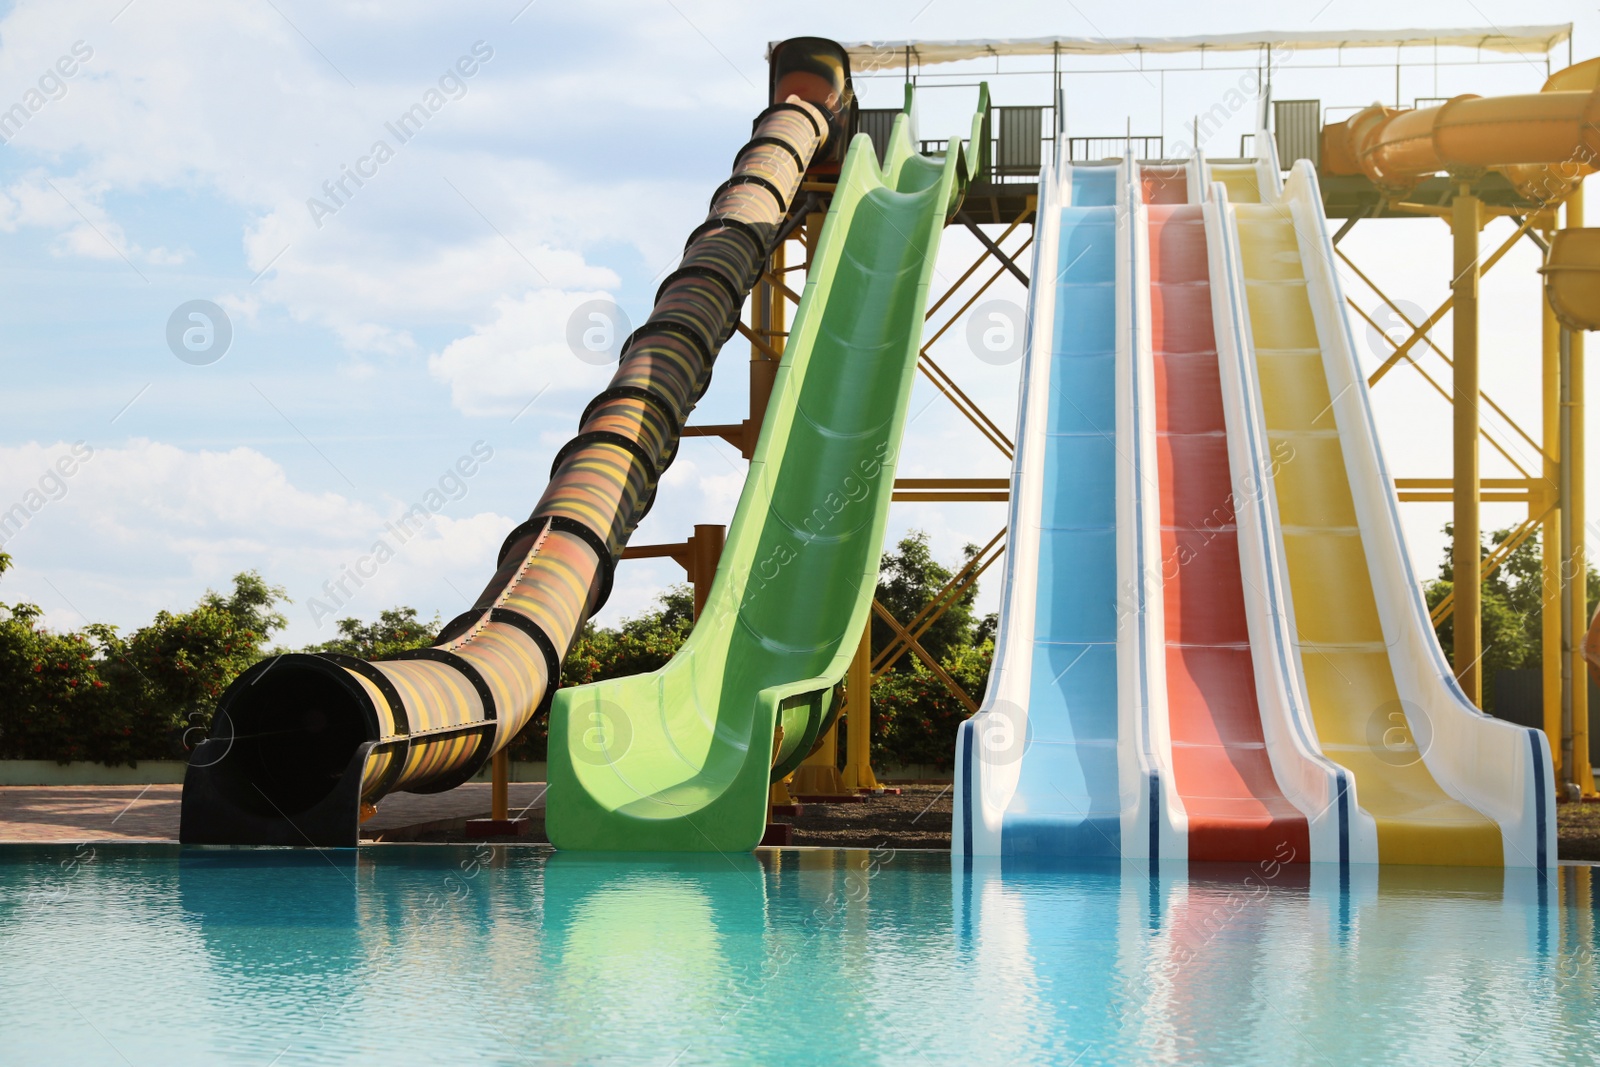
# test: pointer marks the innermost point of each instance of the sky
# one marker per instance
(401, 337)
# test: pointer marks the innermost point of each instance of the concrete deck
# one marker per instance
(150, 813)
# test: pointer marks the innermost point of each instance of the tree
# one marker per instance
(914, 715)
(50, 690)
(97, 696)
(176, 668)
(1513, 601)
(641, 644)
(908, 579)
(397, 630)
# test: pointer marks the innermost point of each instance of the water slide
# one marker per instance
(1129, 710)
(302, 746)
(1544, 142)
(1431, 778)
(1211, 644)
(682, 759)
(1221, 704)
(1038, 767)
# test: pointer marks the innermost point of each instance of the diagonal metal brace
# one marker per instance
(994, 249)
(932, 664)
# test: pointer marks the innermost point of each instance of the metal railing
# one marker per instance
(1014, 140)
(1091, 148)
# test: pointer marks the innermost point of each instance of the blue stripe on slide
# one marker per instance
(1067, 801)
(1539, 806)
(1155, 822)
(964, 740)
(1344, 822)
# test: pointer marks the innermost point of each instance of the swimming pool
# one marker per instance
(149, 954)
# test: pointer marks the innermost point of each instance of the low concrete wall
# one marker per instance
(49, 772)
(157, 772)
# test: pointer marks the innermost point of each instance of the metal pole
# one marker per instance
(1568, 570)
(1056, 95)
(500, 786)
(1264, 91)
(818, 773)
(1465, 555)
(1582, 765)
(1552, 616)
(858, 740)
(705, 552)
(769, 313)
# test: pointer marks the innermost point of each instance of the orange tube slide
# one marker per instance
(1544, 142)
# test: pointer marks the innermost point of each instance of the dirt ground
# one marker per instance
(920, 818)
(1578, 831)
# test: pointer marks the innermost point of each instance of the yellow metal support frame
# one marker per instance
(1554, 495)
(1575, 739)
(1465, 221)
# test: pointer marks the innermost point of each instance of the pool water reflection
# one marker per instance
(446, 954)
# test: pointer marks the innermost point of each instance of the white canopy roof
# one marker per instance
(892, 55)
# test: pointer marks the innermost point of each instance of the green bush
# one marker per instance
(1512, 607)
(640, 645)
(95, 695)
(98, 696)
(915, 717)
(397, 630)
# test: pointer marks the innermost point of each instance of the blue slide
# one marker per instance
(1038, 766)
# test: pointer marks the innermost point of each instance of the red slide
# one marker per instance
(1219, 757)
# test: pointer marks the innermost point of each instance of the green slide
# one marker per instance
(681, 759)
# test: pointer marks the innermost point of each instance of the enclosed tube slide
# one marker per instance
(1572, 278)
(1544, 142)
(301, 744)
(681, 759)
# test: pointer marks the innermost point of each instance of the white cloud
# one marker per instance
(149, 526)
(461, 217)
(711, 486)
(71, 205)
(521, 354)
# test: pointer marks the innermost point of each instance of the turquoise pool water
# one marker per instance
(446, 954)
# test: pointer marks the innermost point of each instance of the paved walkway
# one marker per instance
(150, 813)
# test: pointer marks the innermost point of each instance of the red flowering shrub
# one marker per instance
(97, 696)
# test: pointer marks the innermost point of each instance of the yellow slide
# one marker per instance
(1349, 683)
(1435, 780)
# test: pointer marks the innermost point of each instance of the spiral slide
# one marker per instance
(682, 759)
